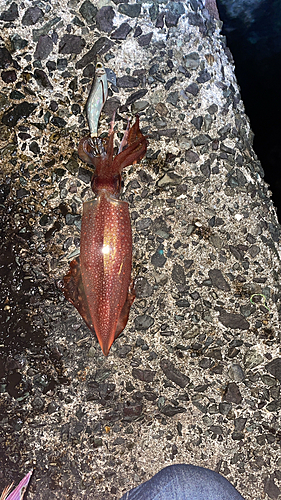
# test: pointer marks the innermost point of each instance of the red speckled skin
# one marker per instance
(99, 283)
(106, 261)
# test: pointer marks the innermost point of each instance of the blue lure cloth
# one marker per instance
(184, 482)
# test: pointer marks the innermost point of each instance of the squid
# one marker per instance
(98, 282)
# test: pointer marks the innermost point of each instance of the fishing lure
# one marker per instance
(96, 99)
(99, 282)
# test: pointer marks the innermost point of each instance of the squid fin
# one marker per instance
(74, 292)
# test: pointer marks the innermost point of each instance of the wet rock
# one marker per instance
(52, 408)
(173, 374)
(11, 13)
(192, 60)
(143, 375)
(171, 411)
(169, 83)
(233, 320)
(213, 109)
(247, 309)
(121, 32)
(203, 77)
(271, 489)
(232, 393)
(143, 322)
(252, 358)
(111, 105)
(201, 140)
(44, 47)
(143, 224)
(104, 19)
(236, 373)
(72, 166)
(41, 77)
(22, 193)
(171, 19)
(160, 20)
(182, 303)
(254, 250)
(173, 98)
(127, 82)
(9, 76)
(5, 58)
(84, 175)
(191, 156)
(239, 423)
(274, 368)
(130, 10)
(36, 33)
(170, 132)
(197, 121)
(214, 353)
(144, 40)
(218, 281)
(224, 408)
(58, 122)
(88, 11)
(139, 106)
(169, 179)
(138, 32)
(18, 42)
(100, 47)
(37, 404)
(192, 89)
(143, 288)
(135, 96)
(178, 274)
(71, 44)
(34, 147)
(31, 16)
(13, 115)
(158, 259)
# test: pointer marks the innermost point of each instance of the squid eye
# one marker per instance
(99, 65)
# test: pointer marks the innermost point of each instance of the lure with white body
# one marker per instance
(97, 99)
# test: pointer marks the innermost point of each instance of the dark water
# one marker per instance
(256, 48)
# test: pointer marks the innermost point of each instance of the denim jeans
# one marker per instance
(184, 482)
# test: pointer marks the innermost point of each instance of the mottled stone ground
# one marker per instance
(195, 376)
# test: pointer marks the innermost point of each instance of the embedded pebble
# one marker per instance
(104, 19)
(232, 393)
(233, 320)
(88, 11)
(71, 44)
(44, 47)
(13, 115)
(173, 374)
(130, 10)
(31, 16)
(218, 280)
(121, 32)
(11, 13)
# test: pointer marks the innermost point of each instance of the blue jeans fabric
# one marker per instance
(184, 482)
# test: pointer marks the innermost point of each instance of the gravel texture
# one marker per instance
(195, 376)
